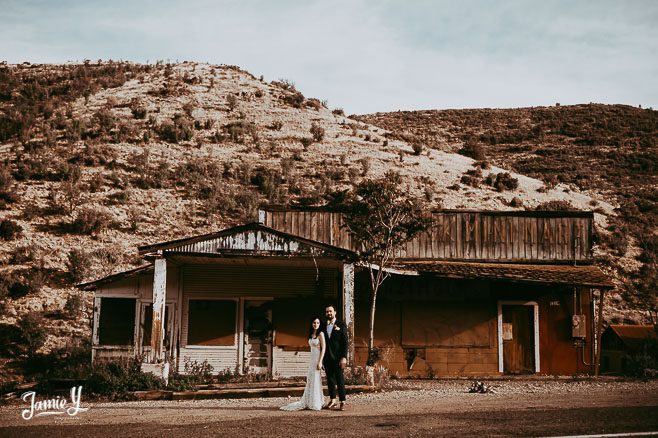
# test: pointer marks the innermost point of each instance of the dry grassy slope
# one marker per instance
(178, 204)
(609, 150)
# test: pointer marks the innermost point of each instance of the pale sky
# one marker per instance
(368, 56)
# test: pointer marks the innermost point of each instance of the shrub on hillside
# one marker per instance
(79, 264)
(33, 332)
(7, 186)
(474, 150)
(317, 132)
(556, 205)
(10, 230)
(502, 181)
(90, 221)
(180, 128)
(73, 306)
(294, 98)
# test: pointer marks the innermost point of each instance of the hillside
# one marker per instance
(98, 158)
(609, 150)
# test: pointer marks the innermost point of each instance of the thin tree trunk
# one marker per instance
(371, 328)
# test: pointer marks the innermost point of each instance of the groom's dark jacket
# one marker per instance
(336, 345)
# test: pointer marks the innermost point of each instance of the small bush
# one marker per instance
(295, 99)
(180, 128)
(73, 306)
(317, 132)
(116, 378)
(33, 332)
(79, 264)
(91, 221)
(338, 112)
(418, 148)
(138, 110)
(7, 188)
(24, 254)
(231, 102)
(502, 181)
(473, 150)
(556, 205)
(10, 230)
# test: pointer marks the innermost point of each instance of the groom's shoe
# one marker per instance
(342, 406)
(331, 404)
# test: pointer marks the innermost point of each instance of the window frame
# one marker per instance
(236, 328)
(97, 336)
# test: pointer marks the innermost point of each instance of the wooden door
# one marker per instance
(518, 339)
(257, 336)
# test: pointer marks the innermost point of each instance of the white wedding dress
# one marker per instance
(312, 398)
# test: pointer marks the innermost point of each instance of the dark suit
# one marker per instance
(336, 349)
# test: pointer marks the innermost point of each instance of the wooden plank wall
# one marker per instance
(481, 236)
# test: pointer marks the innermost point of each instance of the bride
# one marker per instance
(313, 397)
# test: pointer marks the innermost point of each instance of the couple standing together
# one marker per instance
(329, 351)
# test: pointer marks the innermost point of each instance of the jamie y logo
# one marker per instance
(54, 406)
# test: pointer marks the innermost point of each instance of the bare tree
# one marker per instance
(382, 217)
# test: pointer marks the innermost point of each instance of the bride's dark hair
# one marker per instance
(311, 329)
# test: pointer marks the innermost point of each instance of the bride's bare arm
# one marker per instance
(323, 347)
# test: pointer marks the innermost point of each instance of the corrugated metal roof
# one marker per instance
(280, 239)
(546, 274)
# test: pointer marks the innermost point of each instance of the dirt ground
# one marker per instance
(412, 408)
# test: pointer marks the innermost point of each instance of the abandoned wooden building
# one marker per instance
(620, 342)
(481, 293)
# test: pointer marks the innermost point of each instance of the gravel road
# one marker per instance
(410, 408)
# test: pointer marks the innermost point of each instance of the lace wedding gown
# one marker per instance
(312, 398)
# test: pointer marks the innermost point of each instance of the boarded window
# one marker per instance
(387, 323)
(211, 322)
(292, 319)
(447, 324)
(116, 325)
(148, 324)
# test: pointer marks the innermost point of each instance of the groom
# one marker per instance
(335, 357)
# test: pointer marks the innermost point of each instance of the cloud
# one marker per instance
(369, 56)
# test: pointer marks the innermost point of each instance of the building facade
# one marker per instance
(481, 293)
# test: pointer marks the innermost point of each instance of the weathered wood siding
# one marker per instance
(290, 363)
(232, 282)
(481, 236)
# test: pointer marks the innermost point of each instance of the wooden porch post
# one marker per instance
(159, 294)
(599, 328)
(348, 308)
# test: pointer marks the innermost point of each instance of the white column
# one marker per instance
(159, 295)
(348, 308)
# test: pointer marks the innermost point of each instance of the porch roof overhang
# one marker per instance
(250, 240)
(93, 285)
(567, 275)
